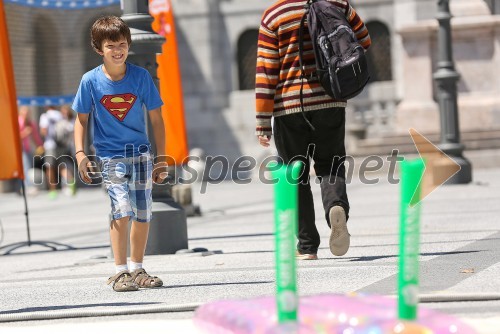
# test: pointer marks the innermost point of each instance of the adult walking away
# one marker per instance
(48, 122)
(116, 93)
(278, 86)
(65, 144)
(30, 136)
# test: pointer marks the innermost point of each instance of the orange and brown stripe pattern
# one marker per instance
(278, 71)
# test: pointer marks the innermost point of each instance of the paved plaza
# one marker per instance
(460, 256)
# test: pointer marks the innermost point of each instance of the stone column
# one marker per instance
(417, 108)
(168, 232)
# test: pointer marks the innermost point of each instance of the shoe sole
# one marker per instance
(151, 286)
(340, 239)
(126, 290)
(131, 287)
(306, 258)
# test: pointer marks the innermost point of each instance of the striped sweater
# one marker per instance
(278, 71)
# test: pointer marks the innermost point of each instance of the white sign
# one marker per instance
(158, 6)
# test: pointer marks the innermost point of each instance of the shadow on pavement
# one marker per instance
(65, 307)
(213, 284)
(373, 258)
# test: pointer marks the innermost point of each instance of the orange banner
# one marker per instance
(11, 166)
(170, 81)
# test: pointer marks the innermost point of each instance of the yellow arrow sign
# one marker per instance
(439, 167)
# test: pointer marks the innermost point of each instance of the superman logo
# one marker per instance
(118, 105)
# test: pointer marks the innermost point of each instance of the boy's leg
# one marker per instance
(141, 185)
(122, 280)
(141, 200)
(138, 240)
(119, 233)
(114, 174)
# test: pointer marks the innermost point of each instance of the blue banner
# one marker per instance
(64, 4)
(41, 101)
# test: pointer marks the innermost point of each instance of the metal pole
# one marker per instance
(446, 78)
(26, 213)
(168, 231)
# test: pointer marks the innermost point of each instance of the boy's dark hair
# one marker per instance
(110, 28)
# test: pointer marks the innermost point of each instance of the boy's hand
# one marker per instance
(84, 167)
(264, 140)
(160, 172)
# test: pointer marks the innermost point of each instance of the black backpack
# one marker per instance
(341, 65)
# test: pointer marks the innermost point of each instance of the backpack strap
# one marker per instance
(301, 37)
(301, 41)
(301, 63)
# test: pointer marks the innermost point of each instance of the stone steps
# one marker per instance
(473, 140)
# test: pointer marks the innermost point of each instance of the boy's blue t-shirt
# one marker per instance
(117, 106)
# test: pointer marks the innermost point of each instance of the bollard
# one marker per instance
(167, 231)
(286, 225)
(409, 239)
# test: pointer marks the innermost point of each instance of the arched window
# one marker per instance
(47, 58)
(379, 54)
(247, 59)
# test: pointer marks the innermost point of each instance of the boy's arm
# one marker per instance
(160, 167)
(79, 135)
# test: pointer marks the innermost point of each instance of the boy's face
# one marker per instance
(115, 52)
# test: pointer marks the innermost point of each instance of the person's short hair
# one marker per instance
(110, 28)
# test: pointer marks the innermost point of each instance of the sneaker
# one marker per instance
(340, 239)
(72, 187)
(52, 194)
(300, 256)
(70, 190)
(31, 191)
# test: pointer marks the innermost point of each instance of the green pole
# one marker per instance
(409, 238)
(286, 225)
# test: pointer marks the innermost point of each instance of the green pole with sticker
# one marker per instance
(286, 225)
(409, 238)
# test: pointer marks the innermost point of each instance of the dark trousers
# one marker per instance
(295, 140)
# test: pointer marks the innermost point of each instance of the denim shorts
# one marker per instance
(129, 183)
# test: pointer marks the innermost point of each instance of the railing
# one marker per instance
(373, 113)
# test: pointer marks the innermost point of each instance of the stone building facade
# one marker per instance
(217, 46)
(51, 48)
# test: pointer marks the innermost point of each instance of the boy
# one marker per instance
(115, 92)
(278, 83)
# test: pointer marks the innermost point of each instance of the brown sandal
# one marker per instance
(123, 281)
(144, 280)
